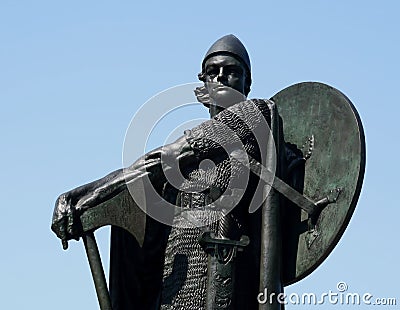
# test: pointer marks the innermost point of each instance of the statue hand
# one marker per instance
(65, 223)
(180, 151)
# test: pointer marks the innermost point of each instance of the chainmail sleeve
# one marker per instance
(242, 125)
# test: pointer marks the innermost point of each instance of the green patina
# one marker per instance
(337, 161)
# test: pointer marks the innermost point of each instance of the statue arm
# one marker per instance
(70, 205)
(204, 141)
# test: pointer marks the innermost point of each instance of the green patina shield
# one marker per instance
(323, 123)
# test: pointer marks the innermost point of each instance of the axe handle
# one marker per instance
(96, 268)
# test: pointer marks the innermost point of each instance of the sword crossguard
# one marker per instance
(223, 249)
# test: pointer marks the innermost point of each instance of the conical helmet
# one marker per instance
(228, 44)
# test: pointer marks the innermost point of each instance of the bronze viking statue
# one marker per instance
(239, 225)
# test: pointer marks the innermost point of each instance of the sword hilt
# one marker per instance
(222, 248)
(221, 269)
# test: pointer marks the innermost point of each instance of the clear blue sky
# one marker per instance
(73, 73)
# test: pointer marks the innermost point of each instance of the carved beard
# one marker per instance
(222, 99)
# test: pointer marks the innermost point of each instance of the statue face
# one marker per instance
(225, 79)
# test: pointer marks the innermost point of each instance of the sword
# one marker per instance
(221, 252)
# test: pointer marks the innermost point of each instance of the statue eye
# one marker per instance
(212, 71)
(234, 70)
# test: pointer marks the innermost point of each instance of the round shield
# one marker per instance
(325, 126)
